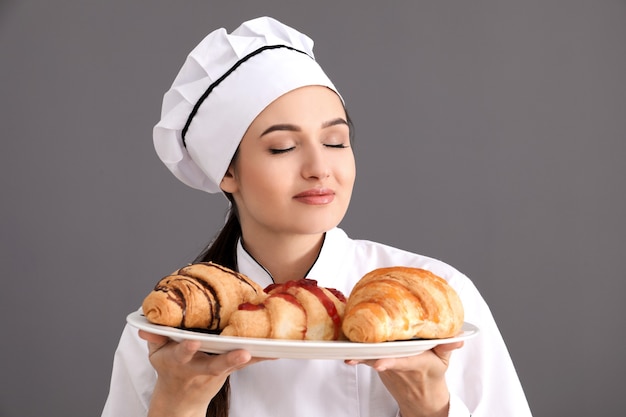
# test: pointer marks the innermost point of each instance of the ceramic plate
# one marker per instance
(300, 349)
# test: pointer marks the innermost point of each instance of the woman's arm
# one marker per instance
(162, 377)
(187, 379)
(418, 382)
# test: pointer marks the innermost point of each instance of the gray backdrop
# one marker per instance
(490, 134)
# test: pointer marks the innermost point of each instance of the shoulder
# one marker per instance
(370, 255)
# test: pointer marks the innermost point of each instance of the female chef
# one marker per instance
(253, 116)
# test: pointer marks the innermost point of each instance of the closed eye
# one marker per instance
(337, 146)
(280, 151)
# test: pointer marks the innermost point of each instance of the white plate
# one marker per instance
(300, 349)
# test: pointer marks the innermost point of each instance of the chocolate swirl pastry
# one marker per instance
(200, 296)
(400, 303)
(296, 310)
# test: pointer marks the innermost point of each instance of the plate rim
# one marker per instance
(299, 349)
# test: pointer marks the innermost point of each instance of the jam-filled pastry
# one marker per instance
(297, 310)
(400, 303)
(200, 296)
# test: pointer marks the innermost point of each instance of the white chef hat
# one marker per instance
(225, 82)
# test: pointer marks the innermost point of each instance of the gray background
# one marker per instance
(490, 134)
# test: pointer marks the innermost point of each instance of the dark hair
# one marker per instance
(223, 251)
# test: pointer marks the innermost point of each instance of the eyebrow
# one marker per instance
(295, 128)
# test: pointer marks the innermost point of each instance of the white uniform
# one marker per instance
(481, 376)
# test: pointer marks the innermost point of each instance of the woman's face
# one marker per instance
(295, 169)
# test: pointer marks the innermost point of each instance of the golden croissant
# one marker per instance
(199, 296)
(400, 303)
(297, 310)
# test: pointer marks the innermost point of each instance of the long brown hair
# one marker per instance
(223, 251)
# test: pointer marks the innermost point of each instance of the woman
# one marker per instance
(252, 115)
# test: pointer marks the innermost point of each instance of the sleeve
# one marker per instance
(481, 376)
(132, 379)
(457, 408)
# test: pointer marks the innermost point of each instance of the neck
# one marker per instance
(285, 257)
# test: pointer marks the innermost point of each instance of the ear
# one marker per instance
(229, 182)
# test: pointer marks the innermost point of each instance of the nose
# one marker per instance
(315, 164)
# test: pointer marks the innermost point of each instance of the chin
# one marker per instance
(317, 226)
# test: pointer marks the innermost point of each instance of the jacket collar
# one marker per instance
(329, 263)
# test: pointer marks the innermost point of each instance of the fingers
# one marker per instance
(185, 351)
(384, 364)
(155, 341)
(449, 346)
(443, 352)
(379, 365)
(153, 338)
(235, 359)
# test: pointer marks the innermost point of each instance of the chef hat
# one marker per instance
(225, 82)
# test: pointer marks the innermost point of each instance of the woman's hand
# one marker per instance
(187, 378)
(417, 382)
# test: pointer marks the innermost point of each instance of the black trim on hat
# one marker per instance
(203, 97)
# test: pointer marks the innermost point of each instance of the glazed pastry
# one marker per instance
(401, 303)
(299, 310)
(200, 296)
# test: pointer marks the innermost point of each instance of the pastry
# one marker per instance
(200, 296)
(400, 303)
(299, 310)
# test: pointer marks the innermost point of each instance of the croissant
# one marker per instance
(199, 296)
(297, 310)
(400, 303)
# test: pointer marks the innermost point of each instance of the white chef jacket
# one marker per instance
(481, 377)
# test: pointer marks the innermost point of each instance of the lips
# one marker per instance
(316, 196)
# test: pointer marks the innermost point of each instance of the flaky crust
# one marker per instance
(400, 303)
(200, 296)
(297, 310)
